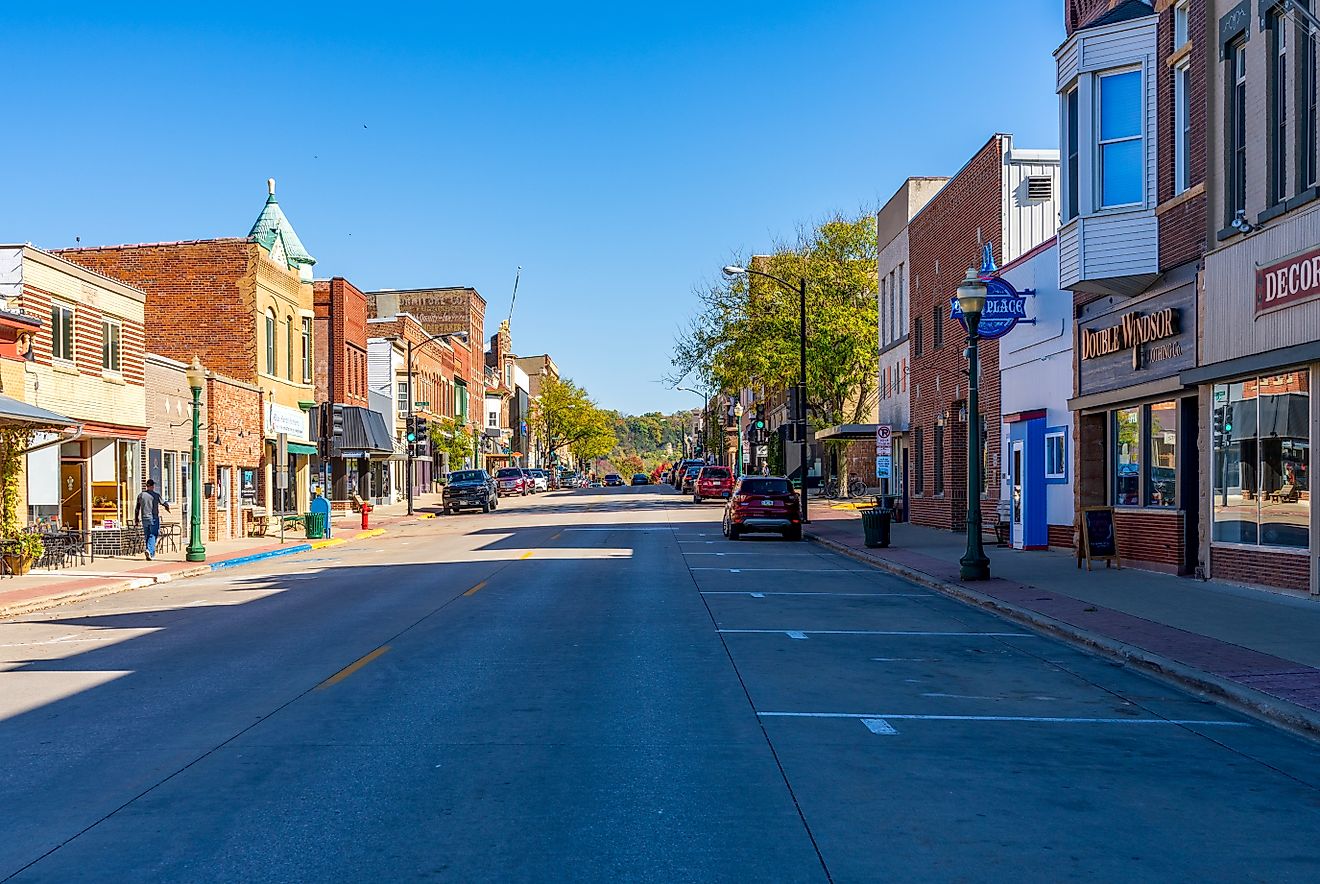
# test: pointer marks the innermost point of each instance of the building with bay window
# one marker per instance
(1131, 86)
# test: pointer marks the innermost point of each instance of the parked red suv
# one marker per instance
(513, 480)
(712, 482)
(763, 503)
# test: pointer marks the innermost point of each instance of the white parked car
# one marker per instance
(541, 480)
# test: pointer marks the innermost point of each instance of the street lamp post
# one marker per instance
(801, 417)
(738, 458)
(975, 565)
(196, 377)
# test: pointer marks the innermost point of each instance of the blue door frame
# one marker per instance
(1035, 510)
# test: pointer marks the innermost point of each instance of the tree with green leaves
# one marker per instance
(564, 418)
(746, 332)
(450, 436)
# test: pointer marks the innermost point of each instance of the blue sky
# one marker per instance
(619, 152)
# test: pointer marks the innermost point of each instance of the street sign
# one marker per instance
(282, 461)
(884, 451)
(421, 405)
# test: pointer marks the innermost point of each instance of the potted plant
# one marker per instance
(21, 551)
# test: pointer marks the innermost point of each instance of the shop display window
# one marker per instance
(1261, 473)
(1127, 457)
(1162, 455)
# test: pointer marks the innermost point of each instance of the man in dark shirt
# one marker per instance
(147, 513)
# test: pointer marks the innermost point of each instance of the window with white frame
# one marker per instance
(61, 332)
(493, 418)
(1072, 154)
(1182, 126)
(167, 486)
(307, 349)
(270, 342)
(403, 396)
(1056, 454)
(111, 337)
(884, 310)
(288, 347)
(1278, 106)
(1119, 147)
(1181, 31)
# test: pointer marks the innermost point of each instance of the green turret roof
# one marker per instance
(272, 226)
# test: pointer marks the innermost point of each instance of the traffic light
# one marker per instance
(336, 420)
(410, 429)
(1228, 420)
(422, 432)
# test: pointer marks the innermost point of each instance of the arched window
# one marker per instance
(270, 342)
(288, 352)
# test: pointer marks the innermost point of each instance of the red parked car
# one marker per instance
(763, 503)
(712, 482)
(513, 480)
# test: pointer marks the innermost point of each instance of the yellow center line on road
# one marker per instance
(351, 668)
(528, 554)
(476, 589)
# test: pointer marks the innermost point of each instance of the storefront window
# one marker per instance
(1127, 456)
(1261, 477)
(1163, 454)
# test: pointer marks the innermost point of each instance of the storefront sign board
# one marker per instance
(1292, 280)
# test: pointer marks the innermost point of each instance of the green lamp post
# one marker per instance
(196, 552)
(974, 565)
(738, 413)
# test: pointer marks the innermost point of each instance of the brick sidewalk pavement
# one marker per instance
(1255, 649)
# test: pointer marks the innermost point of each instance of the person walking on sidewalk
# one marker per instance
(147, 512)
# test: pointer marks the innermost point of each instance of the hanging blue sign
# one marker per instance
(1005, 306)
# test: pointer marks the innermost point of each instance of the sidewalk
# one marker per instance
(1254, 649)
(42, 589)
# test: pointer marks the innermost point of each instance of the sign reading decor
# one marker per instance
(1291, 281)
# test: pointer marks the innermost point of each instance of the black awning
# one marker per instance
(364, 435)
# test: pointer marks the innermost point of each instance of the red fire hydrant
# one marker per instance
(366, 510)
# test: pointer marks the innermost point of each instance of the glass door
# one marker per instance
(1015, 477)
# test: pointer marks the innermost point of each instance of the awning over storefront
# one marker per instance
(301, 449)
(846, 432)
(15, 411)
(365, 435)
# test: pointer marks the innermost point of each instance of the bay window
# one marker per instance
(1120, 143)
(1261, 454)
(1072, 153)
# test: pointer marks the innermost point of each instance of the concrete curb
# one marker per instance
(1289, 716)
(44, 603)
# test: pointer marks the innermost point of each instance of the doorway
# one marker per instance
(1015, 465)
(73, 500)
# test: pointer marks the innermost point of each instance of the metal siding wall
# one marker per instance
(1028, 223)
(1120, 245)
(1070, 258)
(1230, 326)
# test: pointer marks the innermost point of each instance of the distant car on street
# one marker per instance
(613, 479)
(641, 479)
(540, 480)
(763, 503)
(470, 489)
(513, 480)
(687, 479)
(712, 482)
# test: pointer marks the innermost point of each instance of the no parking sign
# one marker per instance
(884, 451)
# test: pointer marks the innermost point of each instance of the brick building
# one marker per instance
(231, 442)
(1132, 86)
(87, 363)
(1005, 197)
(243, 305)
(351, 434)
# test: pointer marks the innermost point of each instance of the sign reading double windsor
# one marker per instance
(1005, 306)
(1121, 344)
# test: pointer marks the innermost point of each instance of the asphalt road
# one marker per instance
(595, 686)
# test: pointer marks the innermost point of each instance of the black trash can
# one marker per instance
(875, 527)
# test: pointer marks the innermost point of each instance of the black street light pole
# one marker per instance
(409, 422)
(801, 417)
(974, 565)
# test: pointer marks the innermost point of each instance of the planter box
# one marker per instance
(18, 564)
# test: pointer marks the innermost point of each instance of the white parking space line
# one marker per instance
(879, 726)
(848, 595)
(797, 634)
(893, 716)
(796, 570)
(873, 632)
